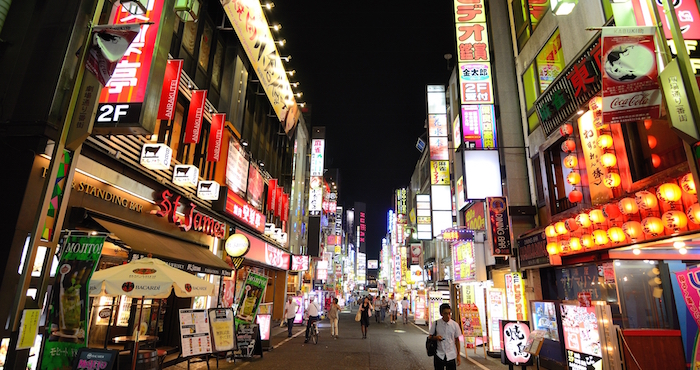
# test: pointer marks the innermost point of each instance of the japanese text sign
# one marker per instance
(500, 226)
(479, 126)
(242, 211)
(514, 335)
(317, 151)
(689, 283)
(463, 260)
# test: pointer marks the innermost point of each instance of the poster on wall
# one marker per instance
(195, 337)
(500, 226)
(630, 76)
(67, 322)
(581, 337)
(514, 336)
(251, 296)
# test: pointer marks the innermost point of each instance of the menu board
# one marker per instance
(92, 358)
(195, 336)
(581, 337)
(248, 341)
(264, 322)
(221, 326)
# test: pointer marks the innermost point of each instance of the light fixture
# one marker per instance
(580, 111)
(244, 143)
(678, 245)
(135, 6)
(292, 72)
(261, 164)
(276, 27)
(187, 10)
(302, 104)
(269, 6)
(562, 7)
(299, 94)
(281, 42)
(551, 231)
(636, 251)
(682, 251)
(294, 84)
(287, 59)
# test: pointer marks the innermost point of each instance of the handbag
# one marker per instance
(358, 316)
(431, 344)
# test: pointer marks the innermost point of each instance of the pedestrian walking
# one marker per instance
(446, 332)
(333, 317)
(312, 311)
(384, 307)
(404, 309)
(365, 312)
(377, 309)
(393, 309)
(290, 311)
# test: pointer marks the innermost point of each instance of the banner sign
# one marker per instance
(630, 75)
(500, 226)
(67, 322)
(457, 235)
(515, 293)
(195, 115)
(271, 194)
(216, 134)
(474, 218)
(688, 281)
(514, 336)
(195, 337)
(171, 83)
(252, 294)
(109, 43)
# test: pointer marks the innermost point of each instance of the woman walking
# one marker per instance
(365, 312)
(333, 316)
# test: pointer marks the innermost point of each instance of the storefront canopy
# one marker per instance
(177, 253)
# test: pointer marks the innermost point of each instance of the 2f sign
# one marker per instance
(111, 113)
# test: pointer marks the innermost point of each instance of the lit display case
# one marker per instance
(544, 317)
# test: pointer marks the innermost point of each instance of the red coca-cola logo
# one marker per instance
(638, 100)
(128, 286)
(188, 288)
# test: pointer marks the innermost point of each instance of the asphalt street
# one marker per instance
(388, 346)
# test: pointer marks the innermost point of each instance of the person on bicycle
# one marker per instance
(313, 311)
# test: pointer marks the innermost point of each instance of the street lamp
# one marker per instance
(562, 7)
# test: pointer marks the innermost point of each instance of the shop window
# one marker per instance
(645, 295)
(527, 15)
(652, 146)
(550, 61)
(533, 122)
(238, 94)
(539, 185)
(556, 173)
(591, 278)
(530, 86)
(189, 36)
(205, 46)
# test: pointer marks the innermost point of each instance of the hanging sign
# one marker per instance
(168, 95)
(195, 116)
(500, 225)
(216, 134)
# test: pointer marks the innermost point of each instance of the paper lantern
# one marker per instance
(655, 160)
(583, 220)
(550, 231)
(575, 244)
(571, 224)
(633, 229)
(553, 248)
(575, 196)
(617, 235)
(596, 103)
(570, 161)
(566, 129)
(568, 146)
(674, 220)
(651, 140)
(600, 237)
(573, 178)
(645, 200)
(608, 160)
(596, 216)
(652, 226)
(587, 241)
(605, 141)
(688, 184)
(628, 206)
(561, 228)
(611, 180)
(669, 192)
(564, 246)
(611, 210)
(647, 124)
(693, 213)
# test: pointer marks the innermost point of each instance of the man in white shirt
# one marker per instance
(404, 308)
(446, 331)
(393, 308)
(290, 310)
(313, 311)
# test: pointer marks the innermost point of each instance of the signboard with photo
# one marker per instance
(252, 294)
(581, 337)
(195, 335)
(471, 321)
(255, 187)
(514, 337)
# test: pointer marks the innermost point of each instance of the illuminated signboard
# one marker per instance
(401, 207)
(317, 151)
(316, 196)
(464, 265)
(457, 235)
(156, 156)
(423, 218)
(237, 169)
(475, 82)
(440, 189)
(479, 127)
(237, 207)
(250, 23)
(185, 175)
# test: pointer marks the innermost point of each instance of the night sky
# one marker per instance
(363, 67)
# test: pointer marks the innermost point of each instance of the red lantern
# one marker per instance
(570, 161)
(583, 220)
(645, 200)
(628, 206)
(575, 244)
(560, 228)
(573, 178)
(669, 192)
(653, 226)
(575, 196)
(633, 229)
(617, 235)
(605, 141)
(693, 213)
(568, 146)
(600, 237)
(647, 124)
(675, 220)
(587, 241)
(688, 184)
(655, 160)
(611, 180)
(651, 140)
(611, 211)
(571, 224)
(551, 231)
(553, 248)
(566, 129)
(596, 216)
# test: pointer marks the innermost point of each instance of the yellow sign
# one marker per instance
(28, 328)
(253, 31)
(222, 332)
(439, 172)
(337, 249)
(591, 152)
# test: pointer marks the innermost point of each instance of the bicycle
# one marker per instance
(314, 332)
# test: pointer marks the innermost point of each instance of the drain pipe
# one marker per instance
(4, 9)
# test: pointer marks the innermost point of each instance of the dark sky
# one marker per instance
(363, 67)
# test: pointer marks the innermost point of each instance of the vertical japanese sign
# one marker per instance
(250, 23)
(123, 97)
(216, 133)
(401, 208)
(464, 265)
(630, 75)
(479, 126)
(514, 335)
(600, 193)
(68, 317)
(440, 188)
(168, 95)
(473, 52)
(252, 294)
(515, 292)
(195, 116)
(500, 226)
(316, 181)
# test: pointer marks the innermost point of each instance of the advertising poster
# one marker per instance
(496, 301)
(435, 299)
(264, 321)
(463, 259)
(515, 291)
(420, 311)
(67, 323)
(478, 126)
(439, 172)
(500, 226)
(221, 327)
(236, 169)
(514, 337)
(195, 337)
(252, 294)
(299, 317)
(581, 337)
(544, 319)
(475, 81)
(471, 321)
(630, 75)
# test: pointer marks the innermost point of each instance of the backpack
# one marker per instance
(431, 344)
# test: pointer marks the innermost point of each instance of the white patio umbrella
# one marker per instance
(147, 278)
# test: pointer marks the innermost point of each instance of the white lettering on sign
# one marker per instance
(111, 113)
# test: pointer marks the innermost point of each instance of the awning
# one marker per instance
(178, 253)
